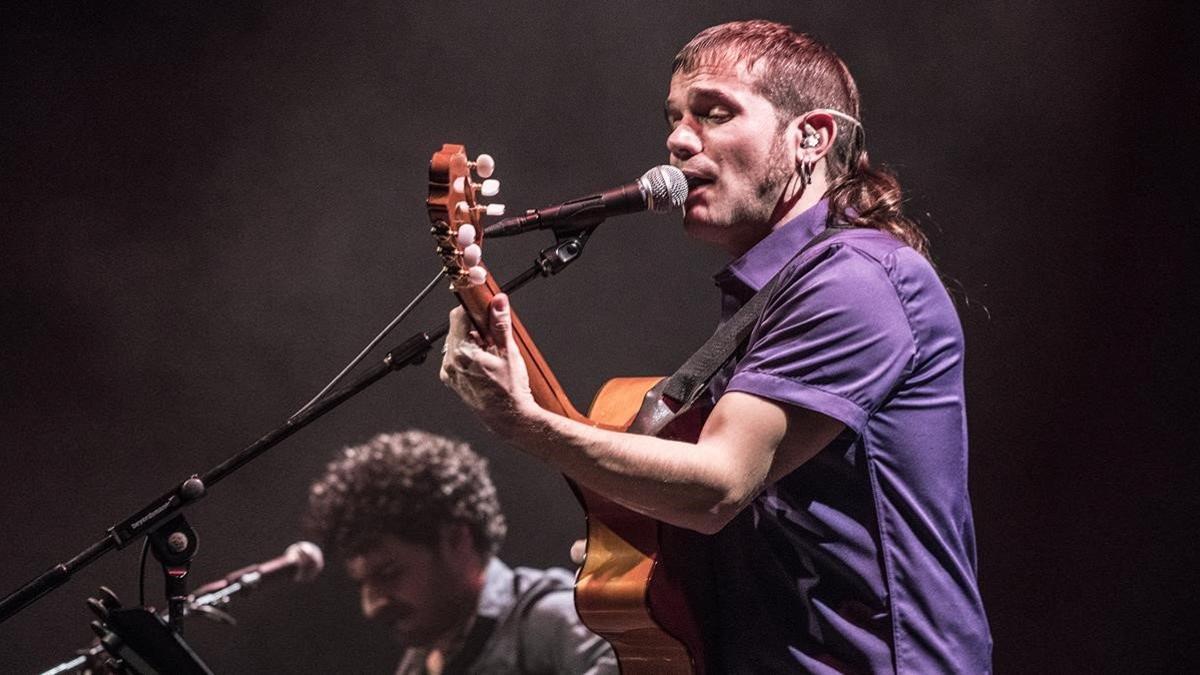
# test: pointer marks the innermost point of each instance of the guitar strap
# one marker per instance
(472, 646)
(674, 395)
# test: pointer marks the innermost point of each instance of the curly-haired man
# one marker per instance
(417, 520)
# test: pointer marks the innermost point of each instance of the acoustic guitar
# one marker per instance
(643, 584)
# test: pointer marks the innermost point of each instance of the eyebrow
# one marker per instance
(719, 94)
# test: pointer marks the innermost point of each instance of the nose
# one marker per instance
(683, 142)
(372, 601)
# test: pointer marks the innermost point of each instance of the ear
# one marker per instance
(456, 543)
(815, 133)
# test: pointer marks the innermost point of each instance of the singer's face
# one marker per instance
(729, 141)
(421, 593)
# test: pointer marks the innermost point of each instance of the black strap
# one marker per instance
(472, 646)
(686, 385)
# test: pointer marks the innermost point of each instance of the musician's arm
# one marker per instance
(746, 443)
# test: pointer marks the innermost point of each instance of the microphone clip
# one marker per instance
(554, 259)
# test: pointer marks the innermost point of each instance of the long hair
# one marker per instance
(797, 73)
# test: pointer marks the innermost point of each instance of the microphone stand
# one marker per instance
(166, 509)
(207, 604)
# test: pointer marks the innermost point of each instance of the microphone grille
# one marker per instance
(665, 186)
(310, 560)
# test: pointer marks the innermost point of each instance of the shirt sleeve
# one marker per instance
(834, 338)
(554, 640)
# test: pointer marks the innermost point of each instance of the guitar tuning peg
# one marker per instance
(489, 187)
(466, 235)
(472, 254)
(476, 275)
(485, 166)
(463, 209)
(495, 209)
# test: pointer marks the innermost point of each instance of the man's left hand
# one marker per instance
(486, 370)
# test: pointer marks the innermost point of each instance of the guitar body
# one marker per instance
(644, 584)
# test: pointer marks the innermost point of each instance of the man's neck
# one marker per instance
(443, 649)
(446, 647)
(790, 206)
(786, 209)
(435, 662)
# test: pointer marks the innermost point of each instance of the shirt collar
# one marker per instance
(497, 595)
(764, 260)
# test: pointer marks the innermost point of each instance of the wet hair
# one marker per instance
(408, 485)
(798, 73)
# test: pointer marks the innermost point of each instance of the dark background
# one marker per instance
(209, 208)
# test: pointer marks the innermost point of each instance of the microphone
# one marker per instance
(662, 188)
(303, 559)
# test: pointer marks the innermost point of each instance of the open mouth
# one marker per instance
(696, 185)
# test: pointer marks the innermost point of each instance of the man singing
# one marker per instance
(417, 520)
(831, 473)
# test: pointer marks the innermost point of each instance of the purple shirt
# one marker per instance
(862, 559)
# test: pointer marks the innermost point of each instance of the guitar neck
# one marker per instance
(546, 389)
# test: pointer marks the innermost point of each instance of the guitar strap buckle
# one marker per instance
(657, 411)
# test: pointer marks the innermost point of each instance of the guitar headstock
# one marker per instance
(455, 212)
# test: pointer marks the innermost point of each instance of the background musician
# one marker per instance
(416, 518)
